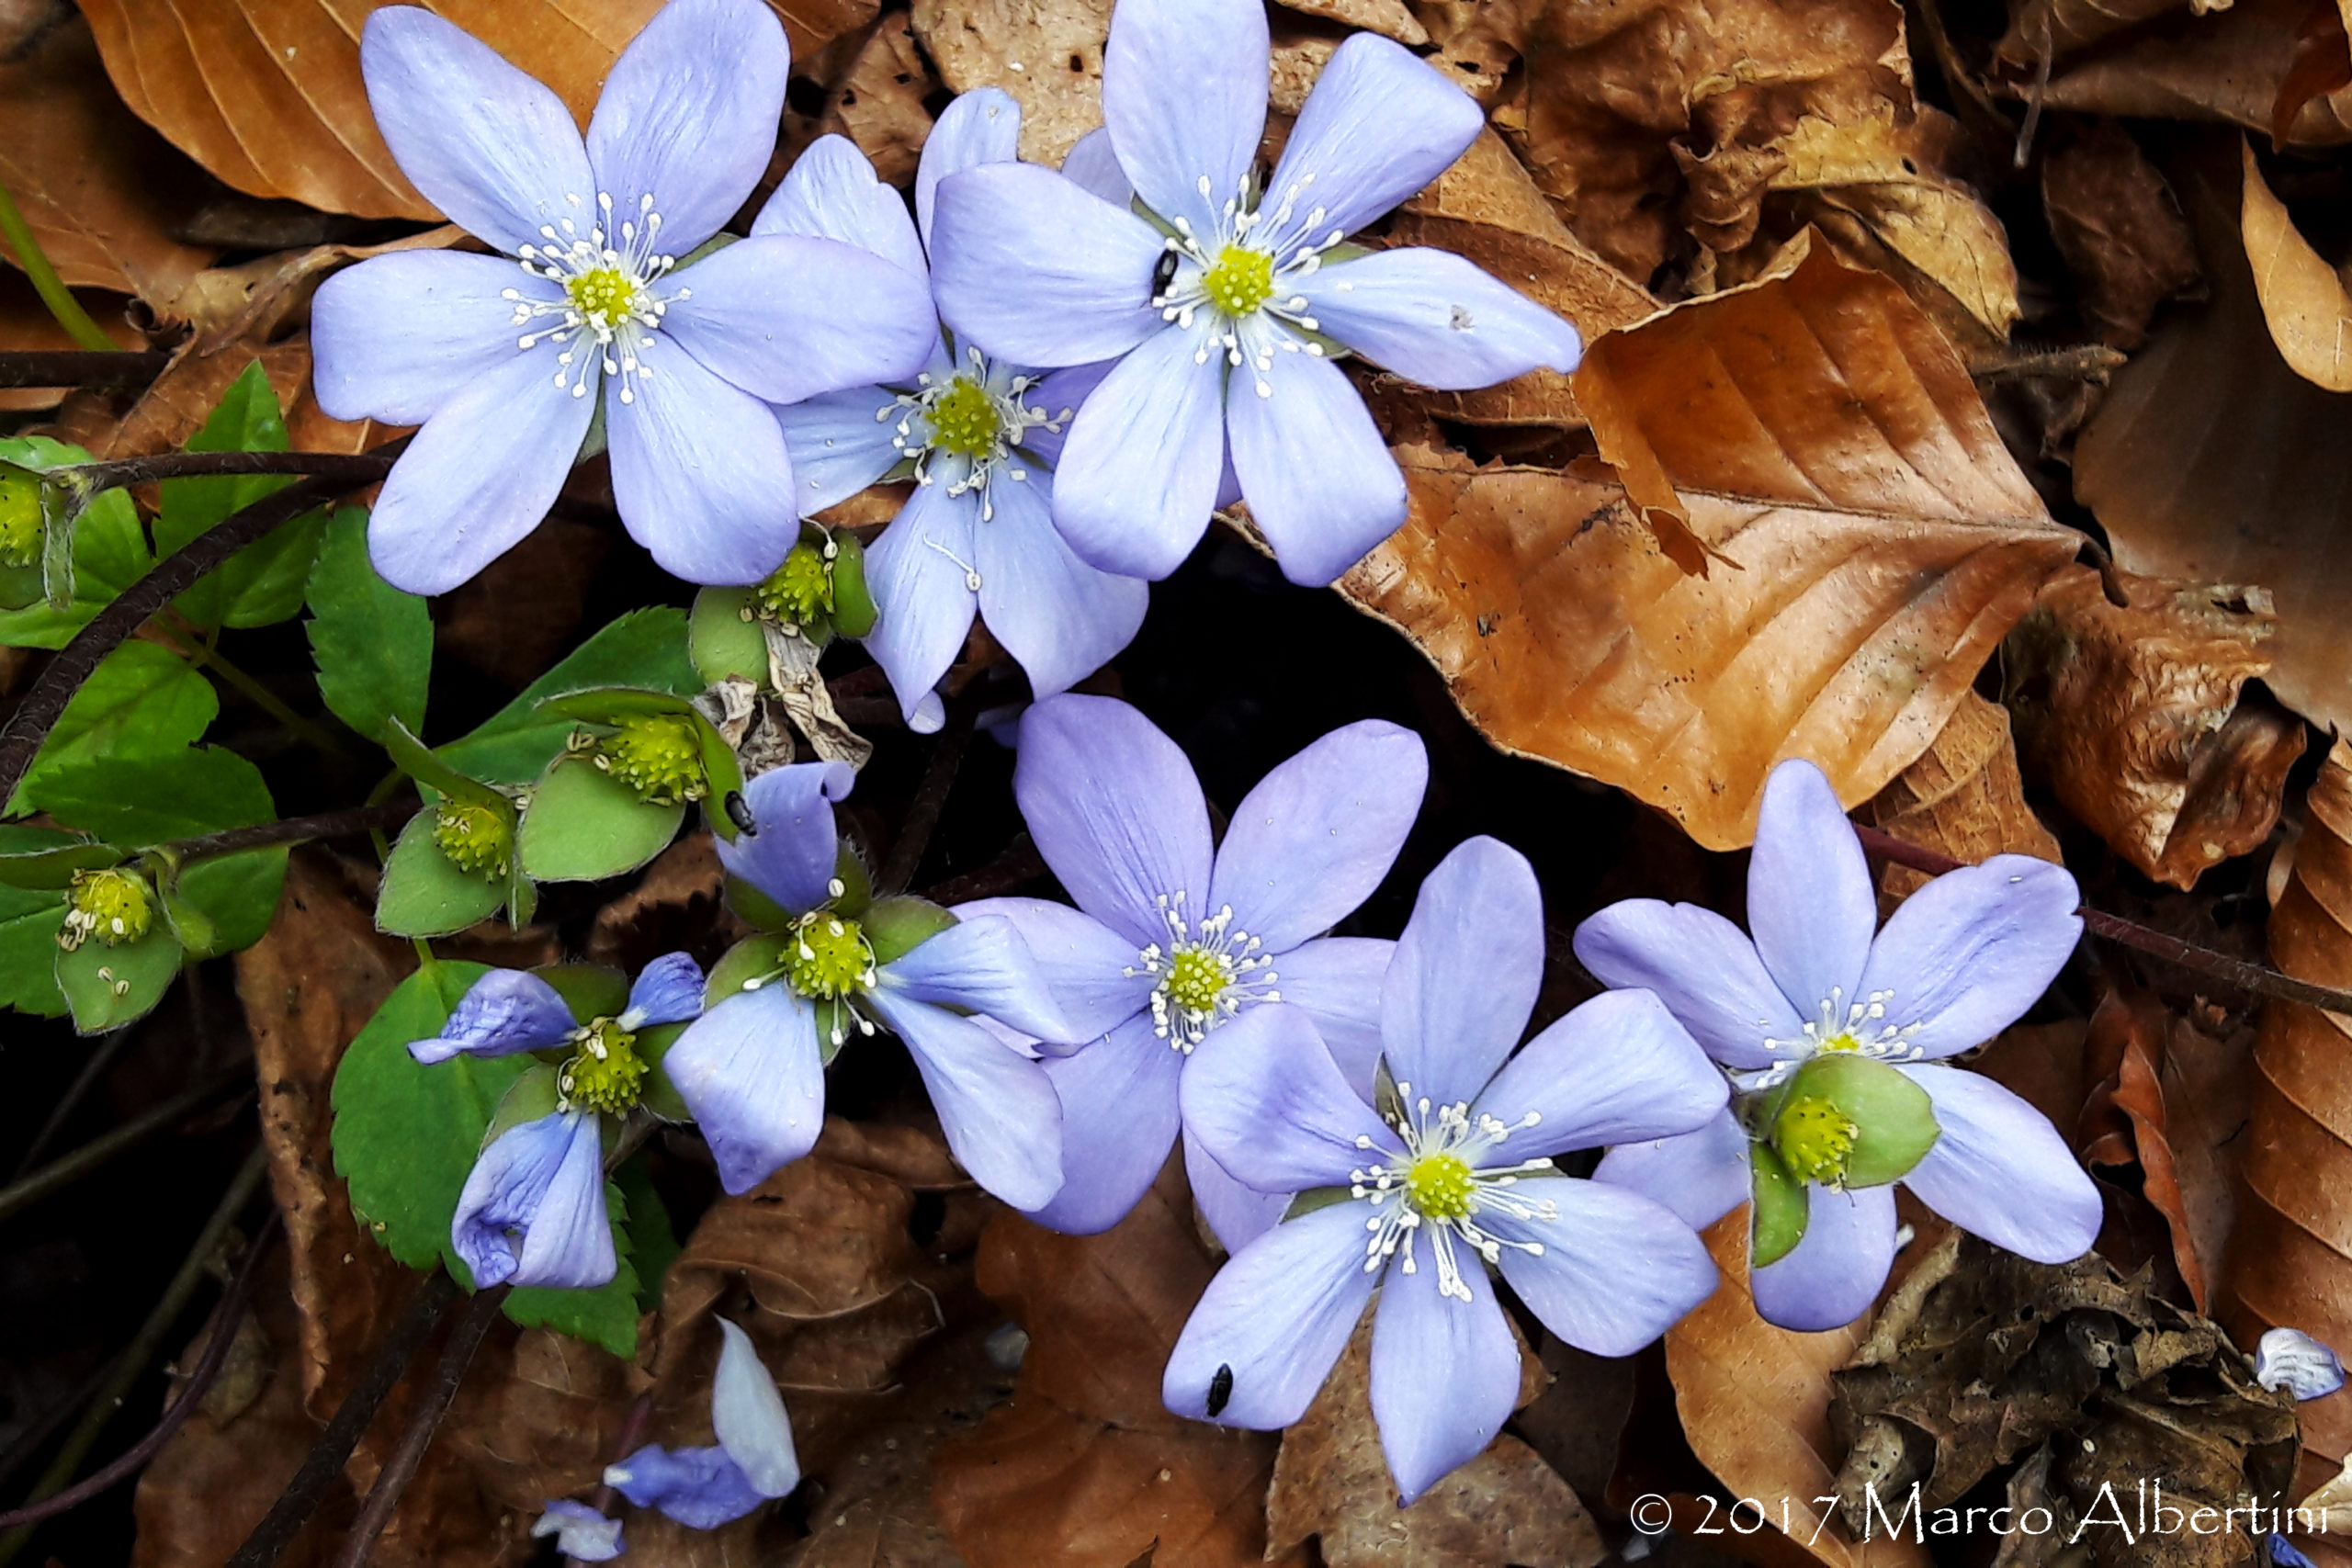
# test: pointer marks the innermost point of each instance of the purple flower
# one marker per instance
(753, 1461)
(1224, 306)
(2290, 1359)
(1172, 940)
(497, 361)
(1962, 959)
(1455, 1170)
(981, 436)
(580, 1531)
(532, 1211)
(753, 1067)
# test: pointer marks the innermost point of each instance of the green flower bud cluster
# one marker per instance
(114, 905)
(20, 520)
(800, 592)
(657, 754)
(1841, 1121)
(475, 838)
(605, 1073)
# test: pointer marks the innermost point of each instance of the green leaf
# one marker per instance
(262, 583)
(152, 800)
(237, 893)
(424, 893)
(652, 1244)
(1778, 1213)
(405, 1135)
(29, 919)
(645, 649)
(48, 863)
(585, 825)
(140, 701)
(854, 609)
(109, 553)
(606, 1316)
(373, 643)
(725, 641)
(108, 987)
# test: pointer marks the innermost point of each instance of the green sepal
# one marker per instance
(756, 908)
(750, 959)
(726, 643)
(425, 893)
(1778, 1207)
(61, 513)
(724, 773)
(51, 869)
(656, 1093)
(106, 987)
(835, 1018)
(585, 825)
(530, 1097)
(1314, 1199)
(854, 611)
(1895, 1118)
(591, 990)
(196, 931)
(896, 926)
(412, 758)
(857, 883)
(237, 893)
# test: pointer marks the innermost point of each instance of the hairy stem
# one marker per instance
(78, 367)
(297, 830)
(206, 655)
(45, 281)
(356, 469)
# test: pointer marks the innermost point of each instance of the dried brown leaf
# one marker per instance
(2120, 228)
(2059, 27)
(2304, 302)
(2133, 715)
(1478, 42)
(1046, 53)
(878, 102)
(1390, 19)
(1964, 796)
(26, 326)
(2227, 67)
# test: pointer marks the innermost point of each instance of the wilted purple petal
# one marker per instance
(1115, 811)
(747, 1412)
(1834, 1274)
(398, 336)
(1444, 1370)
(1379, 125)
(1272, 1323)
(1702, 967)
(506, 1011)
(832, 193)
(1263, 1097)
(1139, 468)
(1119, 1120)
(580, 1530)
(1701, 1175)
(2290, 1359)
(1436, 318)
(1967, 954)
(1464, 979)
(1035, 270)
(1617, 1068)
(997, 1106)
(790, 851)
(700, 1488)
(1617, 1269)
(545, 1178)
(1998, 1169)
(750, 1072)
(668, 990)
(1184, 100)
(982, 126)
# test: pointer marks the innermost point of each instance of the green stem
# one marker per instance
(46, 283)
(206, 655)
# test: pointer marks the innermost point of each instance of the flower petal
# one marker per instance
(1058, 396)
(747, 1412)
(1701, 1175)
(837, 445)
(1459, 990)
(1060, 618)
(832, 193)
(1237, 1214)
(750, 1071)
(1968, 953)
(786, 317)
(1316, 836)
(580, 1530)
(980, 965)
(688, 116)
(1834, 1274)
(1379, 125)
(700, 475)
(1115, 811)
(1094, 167)
(1704, 969)
(996, 1106)
(791, 850)
(1444, 1371)
(491, 147)
(1184, 100)
(1035, 270)
(1615, 1069)
(1335, 980)
(1119, 1119)
(545, 1178)
(1318, 479)
(396, 337)
(1272, 1323)
(1139, 468)
(700, 1488)
(1264, 1098)
(982, 126)
(1438, 318)
(1617, 1268)
(1088, 967)
(920, 572)
(2000, 1169)
(668, 990)
(1811, 906)
(480, 475)
(504, 1011)
(2292, 1360)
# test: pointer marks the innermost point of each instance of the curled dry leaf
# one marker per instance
(1047, 53)
(267, 93)
(2134, 714)
(2056, 29)
(541, 1420)
(879, 101)
(2227, 67)
(1964, 796)
(1478, 42)
(2304, 300)
(1390, 19)
(2119, 227)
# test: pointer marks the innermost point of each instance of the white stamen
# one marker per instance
(1217, 958)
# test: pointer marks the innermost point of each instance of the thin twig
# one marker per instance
(79, 367)
(931, 799)
(226, 1323)
(69, 1169)
(2255, 979)
(433, 1403)
(29, 724)
(352, 1419)
(355, 469)
(2084, 362)
(101, 1056)
(297, 830)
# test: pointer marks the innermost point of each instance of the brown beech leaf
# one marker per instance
(878, 102)
(1390, 19)
(2133, 715)
(2290, 1254)
(1086, 1468)
(2059, 27)
(101, 192)
(1046, 53)
(2227, 66)
(267, 93)
(2119, 227)
(2304, 300)
(1478, 42)
(1964, 796)
(1755, 1404)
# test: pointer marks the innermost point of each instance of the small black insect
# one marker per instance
(739, 812)
(1163, 275)
(1220, 1389)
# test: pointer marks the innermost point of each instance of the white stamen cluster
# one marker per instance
(608, 313)
(1439, 1183)
(962, 428)
(1858, 1028)
(1205, 975)
(1292, 252)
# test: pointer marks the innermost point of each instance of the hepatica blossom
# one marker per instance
(1452, 1175)
(532, 1211)
(599, 303)
(1224, 305)
(753, 1067)
(1172, 940)
(1834, 1037)
(978, 436)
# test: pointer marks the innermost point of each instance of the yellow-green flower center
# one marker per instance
(605, 1073)
(964, 420)
(112, 905)
(657, 754)
(1816, 1138)
(19, 520)
(800, 591)
(473, 837)
(1440, 1186)
(1241, 281)
(1195, 979)
(604, 295)
(1841, 1043)
(827, 957)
